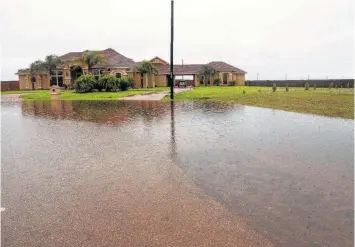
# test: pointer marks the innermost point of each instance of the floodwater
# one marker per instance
(185, 174)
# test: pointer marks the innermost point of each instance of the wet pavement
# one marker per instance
(146, 173)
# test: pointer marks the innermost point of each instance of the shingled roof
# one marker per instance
(113, 58)
(225, 67)
(189, 69)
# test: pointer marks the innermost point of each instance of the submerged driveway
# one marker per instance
(155, 96)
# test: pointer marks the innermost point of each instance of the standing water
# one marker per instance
(87, 173)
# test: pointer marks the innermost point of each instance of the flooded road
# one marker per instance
(87, 173)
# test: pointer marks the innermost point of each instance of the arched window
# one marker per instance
(118, 75)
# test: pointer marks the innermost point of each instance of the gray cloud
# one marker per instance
(272, 38)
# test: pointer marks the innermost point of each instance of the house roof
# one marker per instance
(189, 69)
(27, 72)
(225, 67)
(113, 58)
(117, 60)
(161, 61)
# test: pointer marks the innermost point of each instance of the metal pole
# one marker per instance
(257, 77)
(172, 52)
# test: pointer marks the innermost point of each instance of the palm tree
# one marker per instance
(145, 68)
(91, 58)
(36, 68)
(207, 72)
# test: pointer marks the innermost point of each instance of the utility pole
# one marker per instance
(172, 52)
(257, 77)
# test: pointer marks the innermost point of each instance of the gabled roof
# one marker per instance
(158, 60)
(113, 58)
(224, 67)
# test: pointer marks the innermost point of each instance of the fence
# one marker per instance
(301, 83)
(10, 85)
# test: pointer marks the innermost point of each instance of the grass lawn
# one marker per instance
(322, 101)
(71, 95)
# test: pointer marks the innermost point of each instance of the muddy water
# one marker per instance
(190, 174)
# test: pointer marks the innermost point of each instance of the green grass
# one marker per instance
(322, 101)
(71, 95)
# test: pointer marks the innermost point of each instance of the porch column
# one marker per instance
(196, 82)
(56, 76)
(145, 83)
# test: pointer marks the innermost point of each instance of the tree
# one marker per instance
(36, 68)
(145, 68)
(51, 62)
(91, 58)
(207, 72)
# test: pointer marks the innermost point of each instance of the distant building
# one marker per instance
(121, 66)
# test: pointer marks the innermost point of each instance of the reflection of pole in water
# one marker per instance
(172, 125)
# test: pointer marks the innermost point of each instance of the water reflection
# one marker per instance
(290, 175)
(173, 141)
(106, 112)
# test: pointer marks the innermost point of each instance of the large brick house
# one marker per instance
(121, 66)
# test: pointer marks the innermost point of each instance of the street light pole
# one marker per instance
(172, 52)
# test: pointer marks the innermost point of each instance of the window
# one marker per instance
(118, 75)
(56, 78)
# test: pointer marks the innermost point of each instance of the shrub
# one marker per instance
(124, 84)
(274, 88)
(244, 92)
(306, 86)
(108, 82)
(217, 82)
(232, 83)
(99, 84)
(84, 84)
(314, 87)
(130, 81)
(286, 87)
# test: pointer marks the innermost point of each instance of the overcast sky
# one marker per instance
(270, 38)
